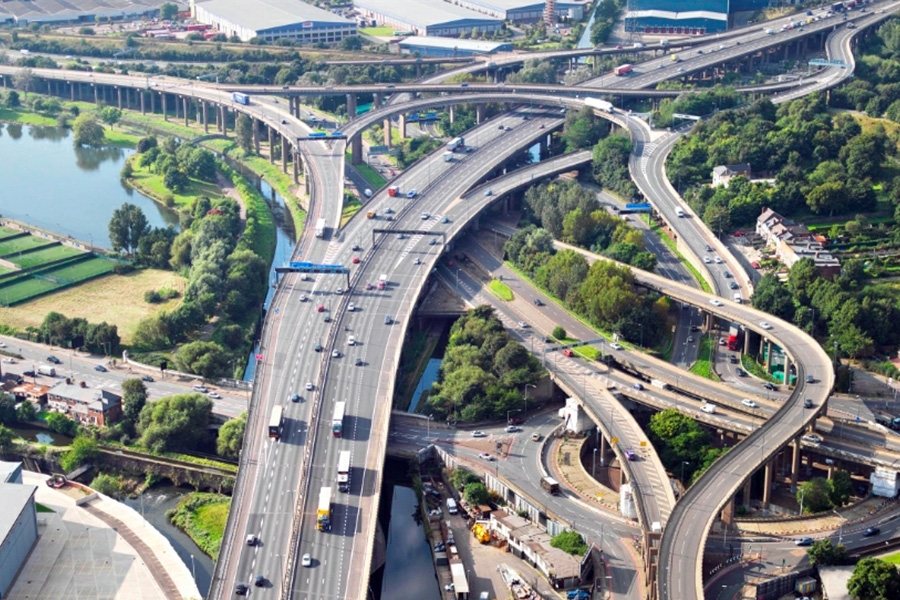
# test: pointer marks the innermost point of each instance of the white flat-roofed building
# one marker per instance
(18, 530)
(427, 17)
(435, 46)
(273, 19)
(524, 11)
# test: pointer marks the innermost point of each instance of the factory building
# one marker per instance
(676, 17)
(427, 17)
(444, 47)
(526, 11)
(273, 20)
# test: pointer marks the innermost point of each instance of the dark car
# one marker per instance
(100, 368)
(147, 378)
(808, 403)
(770, 386)
(259, 581)
(739, 372)
(538, 302)
(54, 360)
(240, 589)
(807, 541)
(295, 398)
(317, 347)
(733, 359)
(871, 531)
(29, 373)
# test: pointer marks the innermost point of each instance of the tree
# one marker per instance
(7, 409)
(476, 493)
(569, 541)
(12, 99)
(23, 80)
(718, 218)
(208, 359)
(231, 436)
(26, 412)
(174, 423)
(127, 226)
(110, 115)
(60, 423)
(88, 132)
(773, 297)
(174, 179)
(82, 449)
(874, 579)
(243, 132)
(824, 552)
(7, 437)
(351, 43)
(840, 488)
(134, 398)
(814, 495)
(559, 333)
(168, 11)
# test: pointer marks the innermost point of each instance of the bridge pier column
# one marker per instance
(284, 153)
(143, 103)
(296, 167)
(271, 146)
(255, 124)
(787, 369)
(356, 150)
(177, 107)
(164, 105)
(747, 487)
(376, 100)
(152, 103)
(768, 355)
(72, 92)
(351, 107)
(403, 135)
(479, 113)
(795, 463)
(767, 484)
(119, 97)
(224, 119)
(204, 111)
(418, 70)
(306, 178)
(96, 94)
(603, 450)
(727, 514)
(452, 113)
(184, 106)
(386, 126)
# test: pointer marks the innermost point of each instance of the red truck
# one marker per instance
(622, 70)
(393, 190)
(735, 337)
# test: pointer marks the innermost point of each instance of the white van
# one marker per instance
(738, 298)
(451, 506)
(679, 212)
(709, 408)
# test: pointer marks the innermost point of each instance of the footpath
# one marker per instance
(97, 549)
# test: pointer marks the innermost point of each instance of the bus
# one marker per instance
(337, 421)
(343, 474)
(276, 422)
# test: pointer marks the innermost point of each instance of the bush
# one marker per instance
(152, 297)
(570, 541)
(559, 333)
(60, 423)
(110, 485)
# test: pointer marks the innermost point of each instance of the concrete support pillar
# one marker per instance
(402, 127)
(767, 484)
(376, 100)
(96, 94)
(418, 70)
(72, 91)
(119, 97)
(479, 113)
(177, 107)
(284, 154)
(143, 103)
(351, 107)
(356, 150)
(223, 119)
(204, 110)
(768, 355)
(296, 167)
(255, 135)
(727, 514)
(747, 488)
(218, 114)
(795, 463)
(602, 451)
(747, 342)
(271, 146)
(152, 103)
(164, 105)
(452, 113)
(387, 132)
(184, 107)
(787, 369)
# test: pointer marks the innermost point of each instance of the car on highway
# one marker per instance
(252, 540)
(400, 236)
(808, 403)
(147, 378)
(522, 324)
(309, 386)
(615, 346)
(339, 291)
(306, 561)
(709, 408)
(29, 373)
(241, 589)
(327, 318)
(417, 261)
(717, 260)
(200, 388)
(630, 455)
(355, 260)
(320, 308)
(318, 347)
(810, 379)
(538, 302)
(770, 386)
(335, 353)
(765, 325)
(486, 456)
(259, 581)
(425, 216)
(536, 436)
(739, 372)
(449, 587)
(690, 339)
(369, 287)
(351, 341)
(870, 531)
(215, 395)
(727, 274)
(488, 192)
(388, 319)
(411, 194)
(356, 248)
(749, 403)
(295, 397)
(100, 368)
(542, 126)
(707, 260)
(733, 285)
(478, 433)
(805, 541)
(351, 307)
(812, 438)
(54, 360)
(512, 429)
(358, 362)
(432, 241)
(567, 352)
(303, 298)
(638, 386)
(715, 302)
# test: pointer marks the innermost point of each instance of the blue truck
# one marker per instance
(240, 98)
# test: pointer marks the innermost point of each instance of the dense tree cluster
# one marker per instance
(231, 436)
(484, 371)
(610, 165)
(583, 129)
(605, 17)
(99, 338)
(682, 442)
(699, 104)
(874, 579)
(569, 541)
(821, 163)
(820, 494)
(842, 310)
(875, 87)
(823, 552)
(174, 423)
(177, 163)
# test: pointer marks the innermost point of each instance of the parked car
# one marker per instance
(478, 433)
(147, 378)
(806, 541)
(100, 368)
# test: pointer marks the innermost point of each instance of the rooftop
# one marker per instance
(422, 13)
(260, 15)
(516, 4)
(14, 498)
(439, 42)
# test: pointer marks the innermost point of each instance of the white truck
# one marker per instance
(343, 474)
(599, 104)
(456, 144)
(47, 370)
(885, 483)
(448, 156)
(320, 228)
(659, 384)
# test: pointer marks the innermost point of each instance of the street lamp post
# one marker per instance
(528, 385)
(841, 530)
(802, 496)
(594, 465)
(684, 462)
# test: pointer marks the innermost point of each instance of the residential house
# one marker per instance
(794, 241)
(722, 174)
(32, 392)
(89, 406)
(532, 542)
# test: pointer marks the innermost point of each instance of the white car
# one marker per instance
(309, 386)
(351, 341)
(215, 396)
(709, 408)
(351, 307)
(306, 561)
(718, 260)
(715, 302)
(765, 325)
(615, 346)
(335, 353)
(749, 403)
(522, 324)
(485, 456)
(707, 259)
(339, 291)
(478, 433)
(812, 438)
(9, 361)
(303, 298)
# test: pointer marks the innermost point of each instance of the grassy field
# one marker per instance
(152, 185)
(501, 290)
(351, 207)
(378, 31)
(82, 270)
(9, 248)
(203, 518)
(45, 255)
(894, 558)
(118, 300)
(372, 176)
(25, 289)
(24, 117)
(703, 366)
(6, 232)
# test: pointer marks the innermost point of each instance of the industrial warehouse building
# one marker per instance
(273, 19)
(18, 523)
(427, 17)
(685, 17)
(53, 12)
(525, 11)
(430, 46)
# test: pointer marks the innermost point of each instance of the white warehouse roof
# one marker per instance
(260, 15)
(451, 43)
(422, 13)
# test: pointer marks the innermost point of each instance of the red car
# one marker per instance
(754, 264)
(567, 352)
(369, 286)
(320, 308)
(738, 233)
(355, 260)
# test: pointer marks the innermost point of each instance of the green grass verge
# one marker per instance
(23, 290)
(703, 367)
(45, 255)
(42, 509)
(351, 207)
(202, 517)
(259, 234)
(893, 559)
(372, 177)
(121, 139)
(21, 244)
(152, 185)
(501, 290)
(378, 31)
(704, 285)
(757, 370)
(25, 117)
